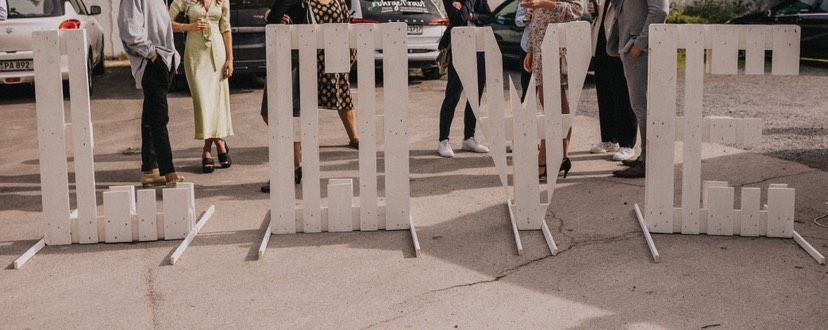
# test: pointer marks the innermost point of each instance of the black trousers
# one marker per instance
(524, 76)
(452, 97)
(155, 140)
(618, 122)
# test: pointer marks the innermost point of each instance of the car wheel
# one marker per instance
(99, 68)
(89, 70)
(433, 73)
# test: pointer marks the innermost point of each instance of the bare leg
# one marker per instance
(565, 110)
(220, 146)
(348, 118)
(297, 155)
(207, 149)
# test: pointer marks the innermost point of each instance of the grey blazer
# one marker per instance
(632, 23)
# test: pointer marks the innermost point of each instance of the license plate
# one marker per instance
(16, 65)
(415, 29)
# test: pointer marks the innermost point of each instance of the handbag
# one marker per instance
(182, 17)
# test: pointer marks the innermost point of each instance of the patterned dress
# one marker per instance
(564, 11)
(204, 58)
(334, 88)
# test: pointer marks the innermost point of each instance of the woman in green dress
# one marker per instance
(208, 63)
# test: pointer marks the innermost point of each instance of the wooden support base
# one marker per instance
(820, 259)
(23, 259)
(547, 234)
(646, 231)
(414, 238)
(190, 236)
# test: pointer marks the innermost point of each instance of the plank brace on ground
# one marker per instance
(646, 231)
(190, 236)
(547, 234)
(23, 259)
(820, 259)
(265, 239)
(414, 239)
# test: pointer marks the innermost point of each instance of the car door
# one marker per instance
(506, 33)
(815, 32)
(247, 22)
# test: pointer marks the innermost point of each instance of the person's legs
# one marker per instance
(635, 71)
(450, 100)
(156, 115)
(524, 76)
(624, 120)
(469, 119)
(606, 105)
(348, 118)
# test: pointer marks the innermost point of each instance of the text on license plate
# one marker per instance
(17, 65)
(415, 29)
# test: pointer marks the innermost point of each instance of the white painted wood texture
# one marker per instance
(749, 217)
(340, 195)
(337, 55)
(725, 50)
(308, 80)
(495, 125)
(395, 100)
(578, 55)
(786, 40)
(280, 129)
(147, 211)
(525, 162)
(54, 176)
(780, 212)
(755, 49)
(693, 35)
(659, 179)
(367, 124)
(29, 254)
(464, 58)
(720, 213)
(84, 165)
(118, 215)
(179, 251)
(552, 94)
(177, 216)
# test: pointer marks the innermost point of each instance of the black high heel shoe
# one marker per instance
(224, 158)
(566, 165)
(208, 165)
(297, 175)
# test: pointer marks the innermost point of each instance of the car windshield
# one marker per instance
(250, 4)
(399, 9)
(35, 8)
(795, 7)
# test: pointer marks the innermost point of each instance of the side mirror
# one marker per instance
(768, 13)
(94, 10)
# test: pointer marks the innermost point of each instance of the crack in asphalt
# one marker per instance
(571, 244)
(779, 177)
(153, 297)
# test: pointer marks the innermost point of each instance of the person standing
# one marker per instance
(523, 18)
(616, 118)
(208, 63)
(147, 36)
(629, 39)
(461, 13)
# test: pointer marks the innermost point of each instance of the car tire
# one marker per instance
(433, 73)
(99, 68)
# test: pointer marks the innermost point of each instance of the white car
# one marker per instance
(25, 16)
(426, 24)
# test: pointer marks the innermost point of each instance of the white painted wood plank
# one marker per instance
(820, 259)
(191, 201)
(550, 241)
(646, 231)
(337, 55)
(752, 131)
(82, 138)
(725, 54)
(464, 58)
(367, 124)
(786, 40)
(576, 39)
(395, 100)
(339, 206)
(280, 130)
(311, 194)
(54, 176)
(496, 128)
(414, 239)
(720, 216)
(525, 162)
(176, 213)
(692, 128)
(179, 251)
(661, 100)
(266, 238)
(130, 190)
(718, 129)
(550, 49)
(755, 49)
(780, 212)
(703, 213)
(147, 210)
(118, 216)
(29, 254)
(750, 212)
(511, 205)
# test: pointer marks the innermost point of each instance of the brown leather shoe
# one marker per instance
(634, 171)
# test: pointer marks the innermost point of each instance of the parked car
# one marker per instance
(426, 24)
(25, 16)
(810, 15)
(508, 34)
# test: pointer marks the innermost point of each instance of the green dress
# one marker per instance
(204, 59)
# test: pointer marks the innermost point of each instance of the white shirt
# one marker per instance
(4, 11)
(520, 17)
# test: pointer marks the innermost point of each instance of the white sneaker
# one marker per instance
(604, 147)
(472, 145)
(444, 149)
(623, 154)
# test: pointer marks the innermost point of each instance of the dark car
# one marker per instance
(508, 34)
(248, 29)
(810, 15)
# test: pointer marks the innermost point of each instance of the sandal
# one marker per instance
(208, 165)
(224, 158)
(353, 145)
(174, 183)
(152, 180)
